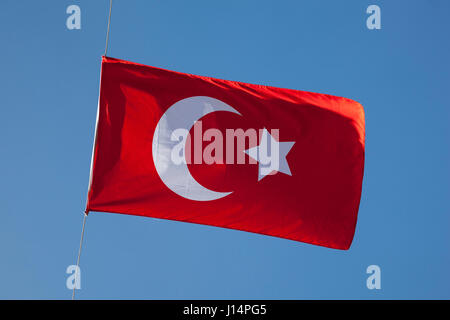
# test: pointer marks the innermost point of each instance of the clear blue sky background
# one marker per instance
(49, 80)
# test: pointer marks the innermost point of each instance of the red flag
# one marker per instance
(272, 161)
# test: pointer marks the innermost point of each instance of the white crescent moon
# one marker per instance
(183, 114)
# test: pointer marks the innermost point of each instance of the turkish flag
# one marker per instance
(272, 161)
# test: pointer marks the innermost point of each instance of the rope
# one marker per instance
(109, 22)
(85, 215)
(79, 255)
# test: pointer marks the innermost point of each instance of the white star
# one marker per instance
(276, 161)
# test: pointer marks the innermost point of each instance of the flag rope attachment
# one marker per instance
(109, 22)
(85, 215)
(79, 255)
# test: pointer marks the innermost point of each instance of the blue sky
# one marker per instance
(49, 89)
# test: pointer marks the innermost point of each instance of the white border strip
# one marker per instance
(95, 136)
